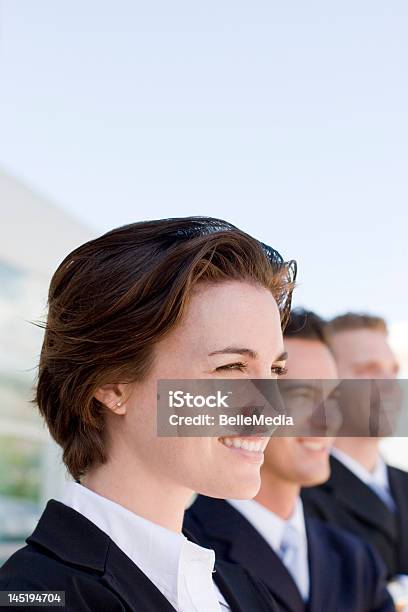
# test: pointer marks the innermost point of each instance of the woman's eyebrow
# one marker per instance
(234, 350)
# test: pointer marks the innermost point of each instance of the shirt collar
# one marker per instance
(268, 524)
(379, 475)
(163, 555)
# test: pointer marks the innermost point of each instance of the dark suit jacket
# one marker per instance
(67, 552)
(345, 574)
(344, 500)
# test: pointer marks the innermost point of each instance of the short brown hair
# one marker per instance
(352, 321)
(306, 325)
(113, 298)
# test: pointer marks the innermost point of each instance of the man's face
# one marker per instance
(366, 354)
(304, 460)
(363, 353)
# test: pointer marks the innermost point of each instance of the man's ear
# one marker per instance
(112, 396)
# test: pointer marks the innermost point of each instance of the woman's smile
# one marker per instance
(249, 448)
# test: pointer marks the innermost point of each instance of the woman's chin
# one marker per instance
(246, 493)
(237, 489)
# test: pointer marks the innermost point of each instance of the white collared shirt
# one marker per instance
(180, 569)
(377, 479)
(271, 527)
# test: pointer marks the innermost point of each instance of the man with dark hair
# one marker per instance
(305, 325)
(363, 494)
(306, 563)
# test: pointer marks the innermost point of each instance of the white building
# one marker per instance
(34, 237)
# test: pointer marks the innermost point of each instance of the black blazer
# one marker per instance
(345, 574)
(67, 552)
(344, 500)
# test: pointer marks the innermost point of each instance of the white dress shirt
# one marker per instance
(180, 569)
(377, 480)
(272, 528)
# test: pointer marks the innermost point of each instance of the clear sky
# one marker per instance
(288, 118)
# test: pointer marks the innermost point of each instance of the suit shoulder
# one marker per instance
(201, 510)
(318, 501)
(27, 567)
(398, 473)
(328, 531)
(310, 493)
(30, 569)
(192, 522)
(346, 543)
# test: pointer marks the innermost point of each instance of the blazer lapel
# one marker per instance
(324, 571)
(132, 585)
(360, 499)
(239, 592)
(252, 551)
(247, 548)
(61, 531)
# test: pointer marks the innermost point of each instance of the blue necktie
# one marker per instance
(290, 555)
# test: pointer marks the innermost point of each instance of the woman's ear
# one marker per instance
(112, 396)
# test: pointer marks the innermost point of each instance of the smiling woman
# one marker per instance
(169, 299)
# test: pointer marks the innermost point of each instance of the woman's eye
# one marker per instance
(279, 370)
(232, 366)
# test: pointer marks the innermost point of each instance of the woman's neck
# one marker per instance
(138, 490)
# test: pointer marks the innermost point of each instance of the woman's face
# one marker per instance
(230, 330)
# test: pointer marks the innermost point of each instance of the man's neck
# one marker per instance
(366, 451)
(277, 495)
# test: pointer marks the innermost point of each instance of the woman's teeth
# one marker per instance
(255, 445)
